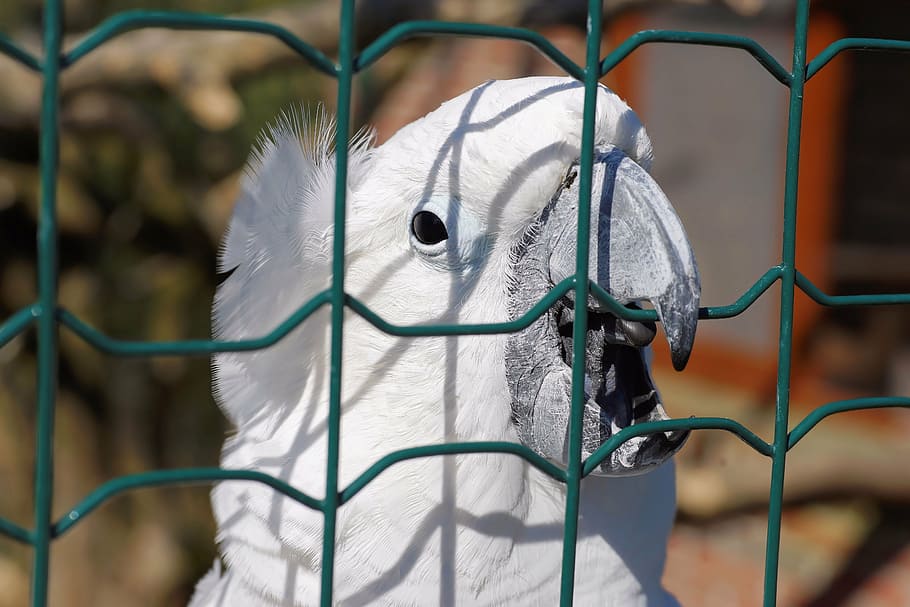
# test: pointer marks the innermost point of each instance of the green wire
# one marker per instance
(47, 301)
(45, 314)
(787, 295)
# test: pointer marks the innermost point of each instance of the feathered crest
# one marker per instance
(278, 244)
(291, 170)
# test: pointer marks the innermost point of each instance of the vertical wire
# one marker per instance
(788, 284)
(579, 330)
(47, 302)
(345, 74)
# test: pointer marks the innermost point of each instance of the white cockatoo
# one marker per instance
(467, 215)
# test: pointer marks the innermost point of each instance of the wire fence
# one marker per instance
(45, 315)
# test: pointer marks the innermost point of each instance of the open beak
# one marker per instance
(638, 252)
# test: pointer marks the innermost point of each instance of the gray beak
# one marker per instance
(638, 252)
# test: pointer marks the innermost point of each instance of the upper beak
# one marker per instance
(639, 250)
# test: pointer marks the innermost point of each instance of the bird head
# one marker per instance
(467, 215)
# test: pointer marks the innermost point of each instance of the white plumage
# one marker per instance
(480, 529)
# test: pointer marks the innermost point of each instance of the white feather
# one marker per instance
(480, 529)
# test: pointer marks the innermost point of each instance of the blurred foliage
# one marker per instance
(81, 14)
(144, 191)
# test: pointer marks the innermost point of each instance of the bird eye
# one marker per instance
(428, 228)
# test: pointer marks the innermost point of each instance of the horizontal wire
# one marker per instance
(191, 346)
(823, 298)
(156, 478)
(865, 44)
(116, 346)
(842, 406)
(201, 475)
(17, 53)
(15, 532)
(395, 457)
(746, 299)
(201, 346)
(411, 29)
(18, 322)
(710, 312)
(764, 58)
(668, 425)
(132, 20)
(426, 330)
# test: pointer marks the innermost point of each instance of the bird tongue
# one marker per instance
(618, 386)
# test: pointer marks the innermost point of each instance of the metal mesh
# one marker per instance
(45, 315)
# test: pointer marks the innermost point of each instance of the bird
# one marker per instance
(466, 215)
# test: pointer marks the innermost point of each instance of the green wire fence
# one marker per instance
(45, 315)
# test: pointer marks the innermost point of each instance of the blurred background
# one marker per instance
(157, 124)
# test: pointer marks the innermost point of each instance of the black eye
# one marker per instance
(428, 228)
